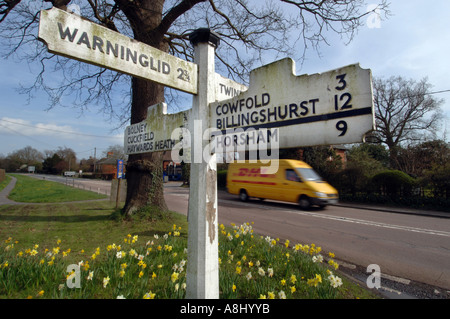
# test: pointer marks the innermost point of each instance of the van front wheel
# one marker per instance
(304, 202)
(243, 196)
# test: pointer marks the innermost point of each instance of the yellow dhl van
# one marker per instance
(295, 181)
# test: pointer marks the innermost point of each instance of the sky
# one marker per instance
(414, 42)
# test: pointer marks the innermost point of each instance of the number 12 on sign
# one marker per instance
(342, 102)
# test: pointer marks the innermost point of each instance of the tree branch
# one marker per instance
(175, 13)
(6, 6)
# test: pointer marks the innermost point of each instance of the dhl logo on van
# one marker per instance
(253, 172)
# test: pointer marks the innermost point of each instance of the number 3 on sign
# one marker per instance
(344, 98)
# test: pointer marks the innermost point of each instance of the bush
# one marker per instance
(350, 181)
(438, 179)
(393, 183)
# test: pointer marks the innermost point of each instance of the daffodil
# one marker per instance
(105, 281)
(149, 295)
(317, 259)
(286, 243)
(334, 264)
(335, 281)
(261, 272)
(315, 281)
(174, 276)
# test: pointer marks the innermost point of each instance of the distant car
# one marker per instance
(69, 173)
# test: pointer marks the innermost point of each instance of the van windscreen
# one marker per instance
(308, 174)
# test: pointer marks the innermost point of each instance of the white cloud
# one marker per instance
(16, 126)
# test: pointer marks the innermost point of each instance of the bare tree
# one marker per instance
(405, 112)
(251, 33)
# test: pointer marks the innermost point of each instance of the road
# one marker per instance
(409, 249)
(412, 250)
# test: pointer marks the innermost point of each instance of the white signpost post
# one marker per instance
(291, 111)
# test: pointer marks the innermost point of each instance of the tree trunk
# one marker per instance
(144, 171)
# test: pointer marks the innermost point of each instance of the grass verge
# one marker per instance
(32, 190)
(5, 182)
(146, 257)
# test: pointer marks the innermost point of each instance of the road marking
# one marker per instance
(372, 223)
(346, 219)
(396, 279)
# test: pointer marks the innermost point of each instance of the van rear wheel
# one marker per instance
(304, 202)
(243, 196)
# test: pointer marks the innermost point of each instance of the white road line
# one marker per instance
(348, 220)
(372, 223)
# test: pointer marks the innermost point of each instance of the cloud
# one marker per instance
(15, 126)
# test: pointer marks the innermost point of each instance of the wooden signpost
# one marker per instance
(70, 35)
(334, 107)
(320, 109)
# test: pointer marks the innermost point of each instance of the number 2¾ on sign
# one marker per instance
(342, 102)
(183, 75)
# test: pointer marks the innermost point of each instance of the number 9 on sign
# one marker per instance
(341, 126)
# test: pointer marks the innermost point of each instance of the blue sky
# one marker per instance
(414, 42)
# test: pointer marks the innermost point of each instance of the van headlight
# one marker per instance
(320, 194)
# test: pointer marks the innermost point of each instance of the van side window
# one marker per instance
(292, 176)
